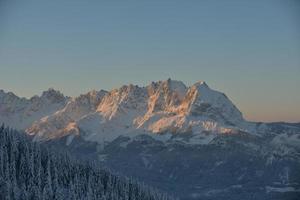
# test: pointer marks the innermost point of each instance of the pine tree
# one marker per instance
(48, 191)
(29, 171)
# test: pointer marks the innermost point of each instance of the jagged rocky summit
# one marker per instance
(163, 108)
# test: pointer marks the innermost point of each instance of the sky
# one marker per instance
(250, 50)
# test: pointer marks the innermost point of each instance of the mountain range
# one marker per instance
(189, 141)
(161, 107)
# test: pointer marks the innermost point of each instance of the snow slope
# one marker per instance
(20, 113)
(163, 107)
(64, 120)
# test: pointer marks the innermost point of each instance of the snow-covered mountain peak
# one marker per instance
(95, 93)
(200, 84)
(122, 101)
(53, 96)
(168, 85)
(161, 107)
(165, 95)
(7, 96)
(20, 113)
(203, 101)
(91, 98)
(63, 121)
(176, 87)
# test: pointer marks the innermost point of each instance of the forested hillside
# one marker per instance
(31, 171)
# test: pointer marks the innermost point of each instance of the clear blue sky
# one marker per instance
(250, 50)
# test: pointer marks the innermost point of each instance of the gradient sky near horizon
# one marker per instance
(249, 50)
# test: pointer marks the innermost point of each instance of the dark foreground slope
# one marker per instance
(231, 166)
(30, 171)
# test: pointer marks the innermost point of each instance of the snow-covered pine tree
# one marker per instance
(30, 171)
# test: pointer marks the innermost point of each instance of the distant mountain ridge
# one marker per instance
(20, 113)
(161, 107)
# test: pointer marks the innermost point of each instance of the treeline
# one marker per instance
(29, 171)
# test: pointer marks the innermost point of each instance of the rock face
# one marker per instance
(160, 108)
(63, 121)
(20, 113)
(189, 141)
